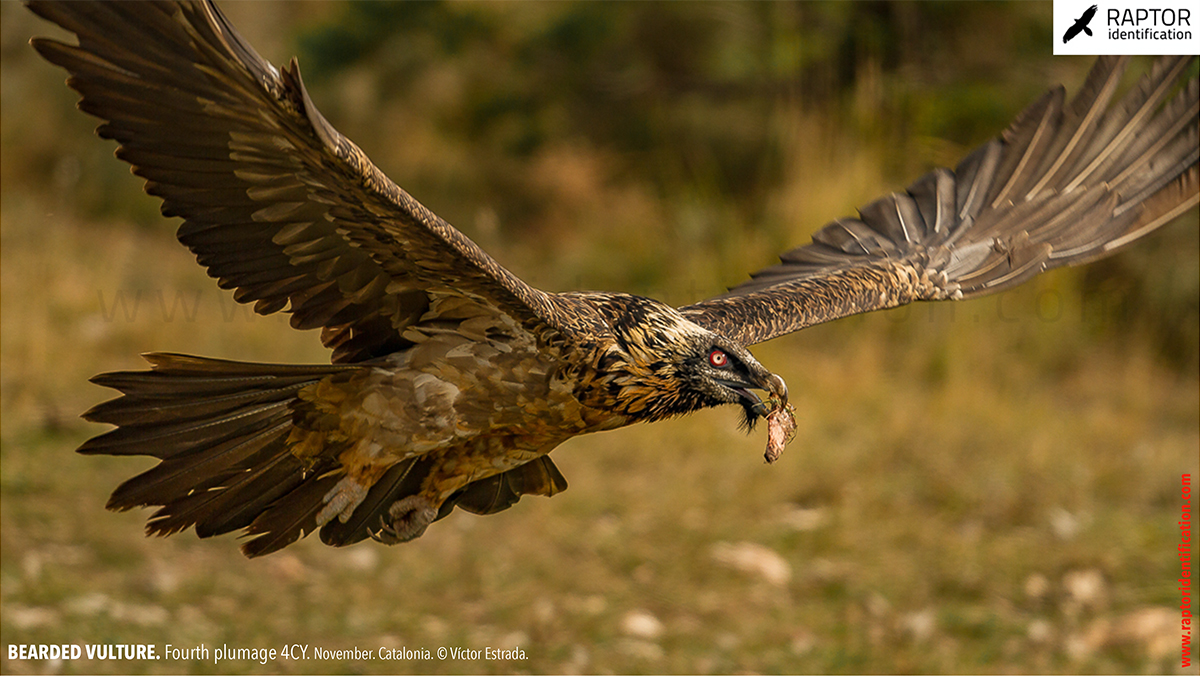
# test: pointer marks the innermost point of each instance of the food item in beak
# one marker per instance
(781, 426)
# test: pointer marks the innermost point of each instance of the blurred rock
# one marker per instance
(1085, 589)
(750, 557)
(435, 627)
(513, 639)
(920, 625)
(544, 611)
(163, 578)
(88, 605)
(642, 624)
(1151, 630)
(289, 567)
(877, 605)
(728, 641)
(605, 527)
(587, 605)
(31, 565)
(30, 617)
(578, 664)
(1039, 631)
(1037, 586)
(361, 559)
(1064, 524)
(1082, 644)
(826, 571)
(803, 641)
(805, 519)
(141, 615)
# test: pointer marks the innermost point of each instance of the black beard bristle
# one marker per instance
(749, 420)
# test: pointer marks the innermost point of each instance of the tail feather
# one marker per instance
(187, 403)
(221, 508)
(196, 471)
(221, 429)
(240, 503)
(290, 518)
(170, 439)
(153, 408)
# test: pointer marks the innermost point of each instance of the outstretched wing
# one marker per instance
(1063, 185)
(276, 203)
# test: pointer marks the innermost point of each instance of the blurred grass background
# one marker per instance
(990, 486)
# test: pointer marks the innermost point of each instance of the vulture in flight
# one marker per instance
(451, 379)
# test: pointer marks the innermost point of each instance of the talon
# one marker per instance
(406, 520)
(341, 501)
(378, 535)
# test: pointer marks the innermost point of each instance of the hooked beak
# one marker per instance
(773, 384)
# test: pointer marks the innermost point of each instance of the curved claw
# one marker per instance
(406, 520)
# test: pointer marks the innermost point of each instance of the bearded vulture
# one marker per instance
(450, 378)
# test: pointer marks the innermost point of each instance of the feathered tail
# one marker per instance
(222, 428)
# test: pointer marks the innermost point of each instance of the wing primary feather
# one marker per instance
(1183, 112)
(1141, 102)
(1085, 111)
(1027, 137)
(1061, 186)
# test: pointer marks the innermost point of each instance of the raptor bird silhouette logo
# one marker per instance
(1080, 25)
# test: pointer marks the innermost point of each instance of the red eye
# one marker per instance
(718, 358)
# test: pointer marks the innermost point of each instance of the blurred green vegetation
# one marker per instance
(985, 486)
